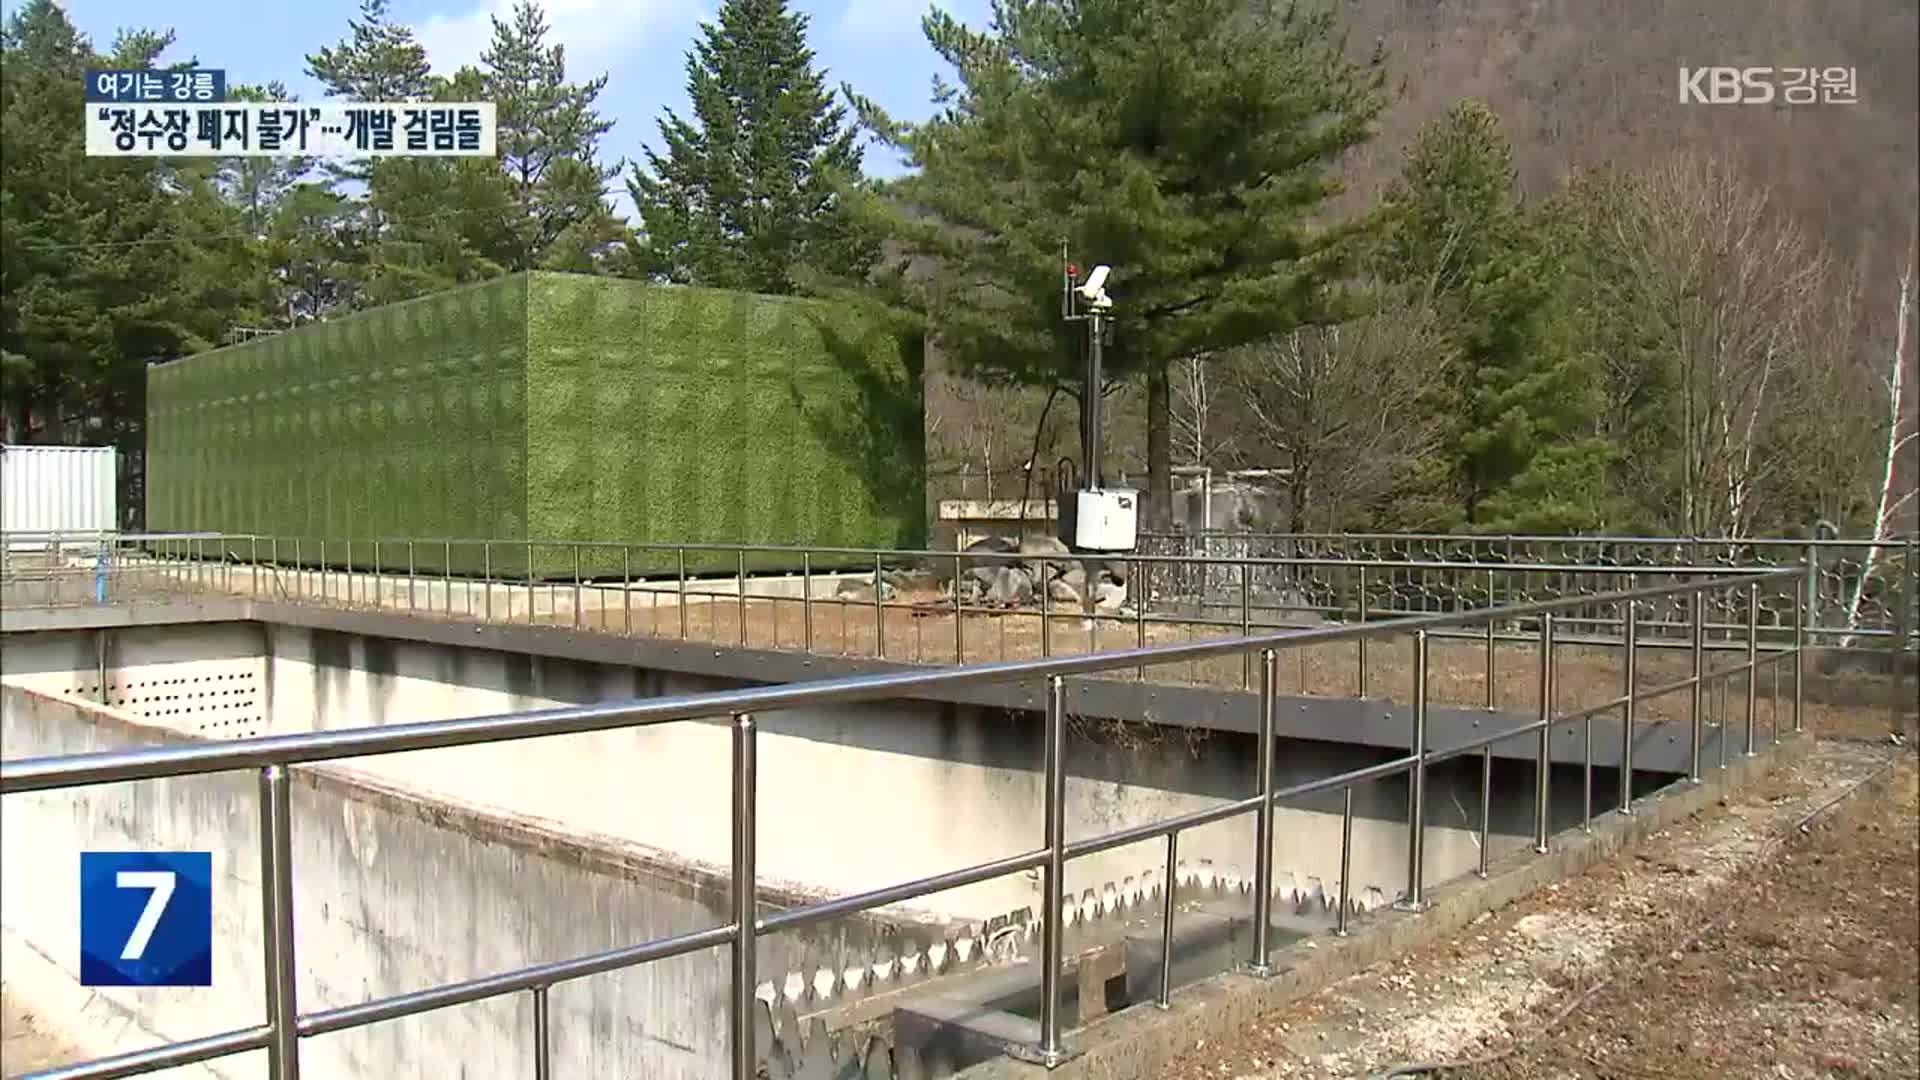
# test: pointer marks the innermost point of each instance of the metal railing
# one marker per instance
(607, 587)
(285, 1025)
(1863, 592)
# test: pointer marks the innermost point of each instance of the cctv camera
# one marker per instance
(1096, 282)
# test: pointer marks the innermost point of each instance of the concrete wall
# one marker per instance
(395, 891)
(852, 798)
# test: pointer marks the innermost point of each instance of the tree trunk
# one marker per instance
(1159, 498)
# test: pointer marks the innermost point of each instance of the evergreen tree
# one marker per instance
(380, 61)
(750, 193)
(1190, 144)
(97, 255)
(1520, 404)
(549, 133)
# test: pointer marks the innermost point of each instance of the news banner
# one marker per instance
(146, 917)
(184, 113)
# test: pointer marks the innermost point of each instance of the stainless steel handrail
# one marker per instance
(274, 754)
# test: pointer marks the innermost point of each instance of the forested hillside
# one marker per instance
(1451, 264)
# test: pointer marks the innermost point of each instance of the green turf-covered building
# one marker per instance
(548, 406)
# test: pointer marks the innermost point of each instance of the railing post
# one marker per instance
(1802, 614)
(1417, 783)
(1043, 587)
(579, 618)
(879, 612)
(1137, 592)
(1631, 691)
(806, 600)
(1165, 1000)
(542, 1042)
(740, 601)
(486, 576)
(1490, 640)
(1053, 888)
(1544, 763)
(681, 554)
(1346, 860)
(1753, 661)
(1486, 804)
(1361, 604)
(626, 590)
(276, 881)
(745, 897)
(1246, 622)
(1695, 689)
(1263, 819)
(959, 616)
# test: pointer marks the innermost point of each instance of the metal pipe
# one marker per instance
(1165, 1000)
(959, 616)
(276, 875)
(1490, 642)
(1361, 603)
(879, 612)
(1263, 819)
(1753, 663)
(1802, 614)
(626, 589)
(1246, 623)
(1053, 886)
(806, 600)
(1631, 693)
(1346, 860)
(1544, 764)
(1417, 781)
(682, 552)
(1045, 587)
(740, 599)
(745, 896)
(1486, 803)
(542, 1044)
(1698, 685)
(578, 618)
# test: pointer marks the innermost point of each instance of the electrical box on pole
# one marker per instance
(1104, 519)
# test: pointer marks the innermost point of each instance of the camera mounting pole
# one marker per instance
(1103, 520)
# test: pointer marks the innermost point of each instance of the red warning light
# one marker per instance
(1073, 269)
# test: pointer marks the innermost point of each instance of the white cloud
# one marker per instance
(595, 32)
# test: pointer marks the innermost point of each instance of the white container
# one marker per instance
(1106, 520)
(58, 489)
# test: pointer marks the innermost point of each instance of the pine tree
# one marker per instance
(750, 193)
(90, 287)
(549, 133)
(380, 61)
(1521, 404)
(1190, 144)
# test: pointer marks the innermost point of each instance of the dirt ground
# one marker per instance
(1732, 945)
(24, 1046)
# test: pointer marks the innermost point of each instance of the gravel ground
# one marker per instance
(1728, 946)
(24, 1046)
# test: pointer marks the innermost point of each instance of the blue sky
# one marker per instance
(641, 45)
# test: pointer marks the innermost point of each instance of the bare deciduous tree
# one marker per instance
(1735, 291)
(1342, 406)
(1199, 438)
(1891, 501)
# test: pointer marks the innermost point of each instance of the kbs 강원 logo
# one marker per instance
(146, 918)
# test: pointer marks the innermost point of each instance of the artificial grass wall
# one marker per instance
(549, 407)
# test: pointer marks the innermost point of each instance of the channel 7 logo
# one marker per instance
(146, 918)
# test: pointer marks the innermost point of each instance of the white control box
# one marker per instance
(1106, 520)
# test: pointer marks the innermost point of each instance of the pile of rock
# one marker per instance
(999, 572)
